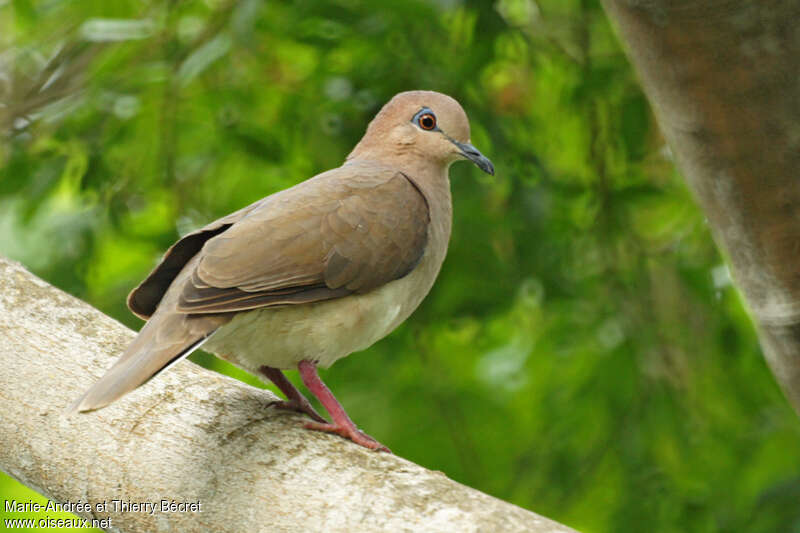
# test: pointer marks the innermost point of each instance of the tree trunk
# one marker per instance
(194, 436)
(724, 81)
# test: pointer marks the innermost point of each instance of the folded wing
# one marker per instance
(346, 231)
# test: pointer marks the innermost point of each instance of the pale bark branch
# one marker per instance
(192, 435)
(722, 78)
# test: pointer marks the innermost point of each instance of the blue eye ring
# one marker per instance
(426, 120)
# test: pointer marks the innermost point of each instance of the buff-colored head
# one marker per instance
(423, 125)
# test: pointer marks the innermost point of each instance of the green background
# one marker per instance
(583, 353)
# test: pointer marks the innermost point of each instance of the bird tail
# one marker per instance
(148, 355)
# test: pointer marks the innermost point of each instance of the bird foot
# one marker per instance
(301, 406)
(349, 432)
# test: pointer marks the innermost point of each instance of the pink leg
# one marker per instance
(295, 399)
(342, 425)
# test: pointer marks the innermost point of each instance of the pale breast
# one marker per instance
(324, 331)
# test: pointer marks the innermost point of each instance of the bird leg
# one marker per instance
(295, 400)
(342, 425)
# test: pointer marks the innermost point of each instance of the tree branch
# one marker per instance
(192, 435)
(722, 80)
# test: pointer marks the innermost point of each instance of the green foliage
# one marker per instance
(582, 354)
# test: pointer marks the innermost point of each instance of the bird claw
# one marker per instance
(298, 407)
(349, 432)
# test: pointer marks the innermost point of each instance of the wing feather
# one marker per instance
(343, 232)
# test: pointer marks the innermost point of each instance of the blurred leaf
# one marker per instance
(201, 58)
(105, 30)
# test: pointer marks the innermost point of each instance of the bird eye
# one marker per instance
(427, 121)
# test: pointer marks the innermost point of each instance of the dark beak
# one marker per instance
(472, 153)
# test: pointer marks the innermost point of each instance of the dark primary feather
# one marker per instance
(144, 299)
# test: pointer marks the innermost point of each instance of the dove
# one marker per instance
(310, 274)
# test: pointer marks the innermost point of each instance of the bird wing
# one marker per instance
(349, 230)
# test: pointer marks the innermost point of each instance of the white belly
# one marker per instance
(323, 332)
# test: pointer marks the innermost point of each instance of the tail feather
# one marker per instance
(143, 360)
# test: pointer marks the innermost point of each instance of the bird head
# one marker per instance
(423, 124)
